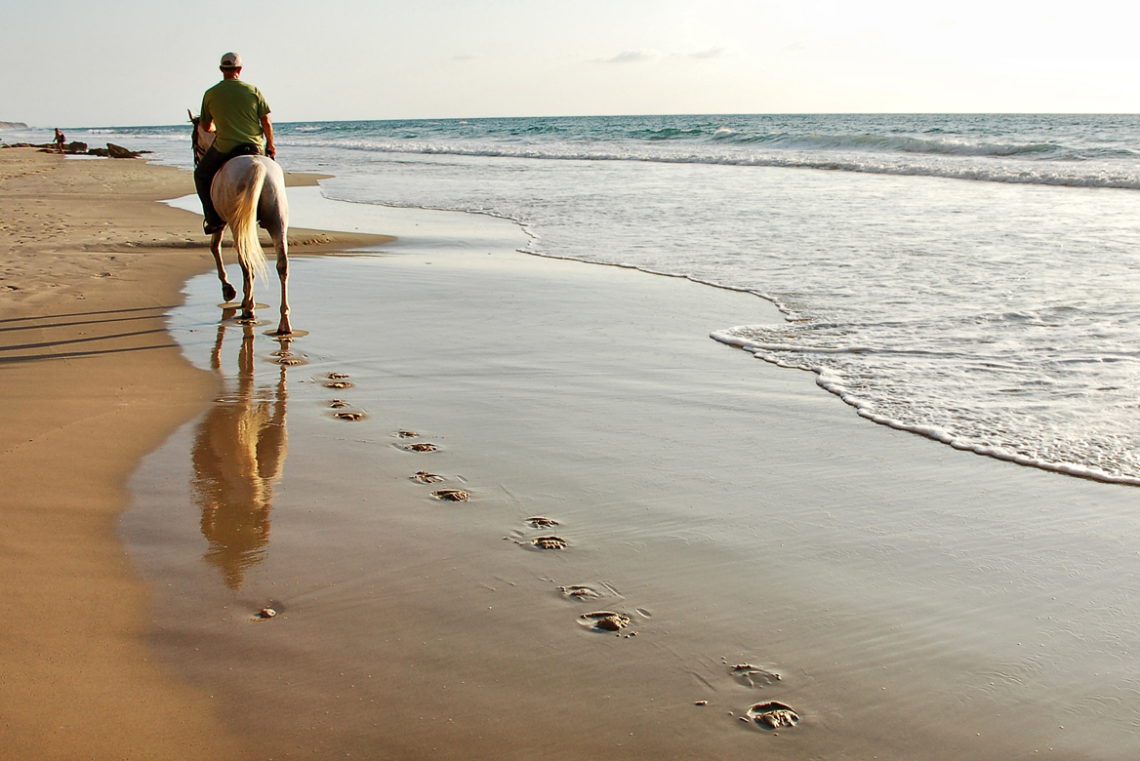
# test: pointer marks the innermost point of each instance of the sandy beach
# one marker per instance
(759, 544)
(92, 382)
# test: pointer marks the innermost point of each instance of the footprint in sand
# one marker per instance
(338, 376)
(421, 447)
(549, 543)
(349, 416)
(773, 715)
(423, 477)
(536, 521)
(753, 676)
(407, 434)
(452, 495)
(338, 404)
(338, 384)
(291, 361)
(579, 592)
(605, 621)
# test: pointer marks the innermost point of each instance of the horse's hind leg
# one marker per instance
(228, 291)
(247, 291)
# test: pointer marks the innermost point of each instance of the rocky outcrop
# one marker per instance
(13, 125)
(115, 152)
(119, 152)
(77, 148)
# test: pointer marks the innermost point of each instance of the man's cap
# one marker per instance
(231, 61)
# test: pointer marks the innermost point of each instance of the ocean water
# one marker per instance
(970, 278)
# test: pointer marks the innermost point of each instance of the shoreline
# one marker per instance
(91, 384)
(730, 508)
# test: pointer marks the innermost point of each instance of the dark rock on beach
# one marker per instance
(115, 152)
(80, 149)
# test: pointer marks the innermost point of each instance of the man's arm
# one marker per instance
(267, 128)
(205, 118)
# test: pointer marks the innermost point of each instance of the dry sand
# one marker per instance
(91, 382)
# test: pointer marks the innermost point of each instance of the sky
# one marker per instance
(82, 64)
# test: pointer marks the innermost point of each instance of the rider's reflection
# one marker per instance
(239, 455)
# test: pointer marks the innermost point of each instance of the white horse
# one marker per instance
(248, 191)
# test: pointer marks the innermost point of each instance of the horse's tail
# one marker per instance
(244, 221)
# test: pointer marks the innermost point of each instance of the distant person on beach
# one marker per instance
(59, 139)
(240, 117)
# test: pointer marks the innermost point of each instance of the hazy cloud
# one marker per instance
(645, 56)
(631, 56)
(710, 53)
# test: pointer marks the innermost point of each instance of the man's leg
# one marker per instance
(203, 176)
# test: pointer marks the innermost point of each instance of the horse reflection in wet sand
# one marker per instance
(249, 191)
(239, 456)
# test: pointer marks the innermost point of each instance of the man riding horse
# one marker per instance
(240, 117)
(238, 186)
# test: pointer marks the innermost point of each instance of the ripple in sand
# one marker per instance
(426, 478)
(421, 447)
(773, 715)
(605, 621)
(452, 495)
(536, 521)
(753, 676)
(549, 543)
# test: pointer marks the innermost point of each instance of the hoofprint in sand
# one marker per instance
(799, 581)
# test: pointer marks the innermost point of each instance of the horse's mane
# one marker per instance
(200, 138)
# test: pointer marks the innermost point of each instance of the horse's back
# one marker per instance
(236, 171)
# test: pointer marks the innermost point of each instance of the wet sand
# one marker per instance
(663, 538)
(914, 601)
(91, 382)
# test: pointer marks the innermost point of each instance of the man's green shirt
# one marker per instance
(235, 107)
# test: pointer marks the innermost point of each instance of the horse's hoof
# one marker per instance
(229, 293)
